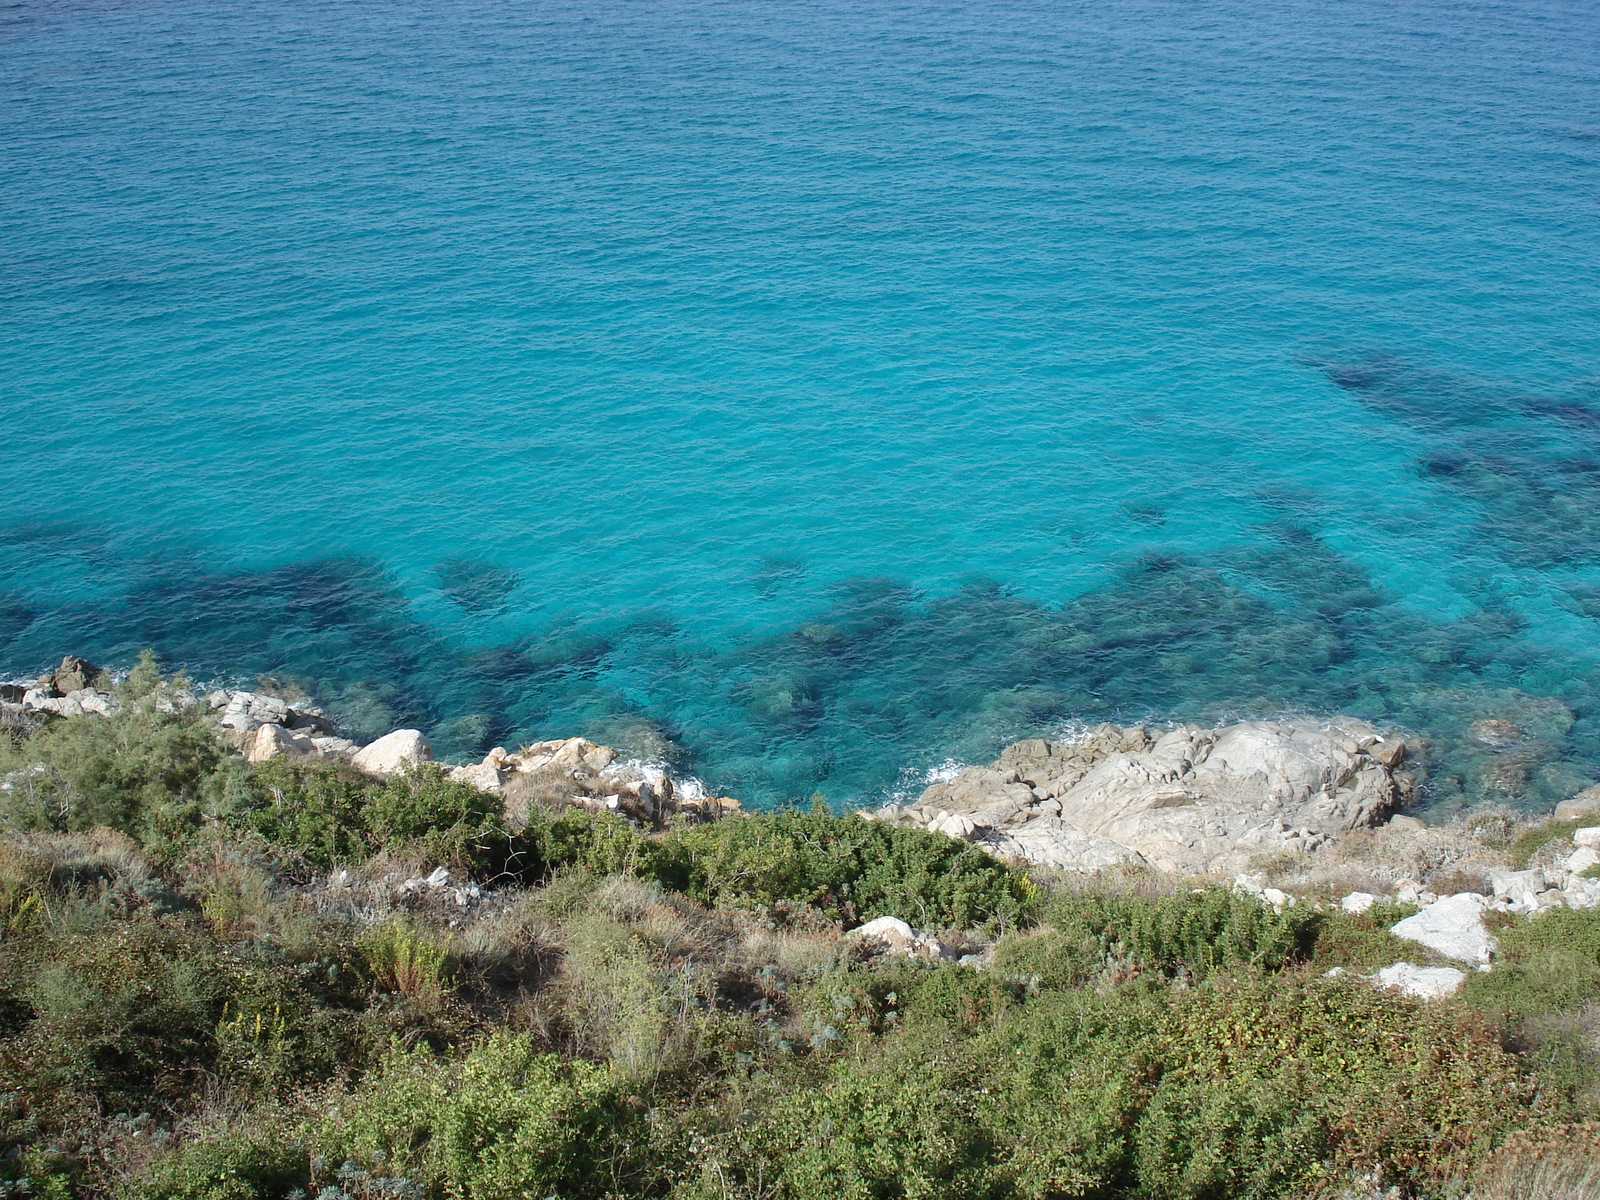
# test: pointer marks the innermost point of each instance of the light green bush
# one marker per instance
(151, 773)
(505, 1121)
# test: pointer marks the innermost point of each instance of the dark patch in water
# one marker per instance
(1151, 516)
(475, 585)
(15, 617)
(878, 679)
(1529, 462)
(774, 573)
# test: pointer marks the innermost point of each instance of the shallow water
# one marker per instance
(819, 392)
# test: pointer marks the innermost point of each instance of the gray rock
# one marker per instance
(485, 776)
(274, 741)
(1425, 983)
(1189, 800)
(1452, 926)
(1585, 804)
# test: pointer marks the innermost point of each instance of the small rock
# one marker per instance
(1278, 900)
(1401, 821)
(393, 752)
(484, 776)
(1425, 983)
(1390, 753)
(1582, 859)
(74, 674)
(1587, 837)
(884, 927)
(1358, 902)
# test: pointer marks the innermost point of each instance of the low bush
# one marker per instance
(149, 769)
(255, 1157)
(851, 869)
(1248, 1088)
(1119, 936)
(1531, 841)
(1546, 963)
(503, 1121)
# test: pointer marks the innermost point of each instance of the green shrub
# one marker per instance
(1244, 1087)
(262, 1155)
(286, 1024)
(449, 822)
(851, 869)
(143, 771)
(1546, 963)
(1088, 935)
(1362, 941)
(125, 1017)
(505, 1121)
(598, 844)
(314, 810)
(406, 960)
(902, 1124)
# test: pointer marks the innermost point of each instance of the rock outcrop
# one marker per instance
(1187, 800)
(579, 773)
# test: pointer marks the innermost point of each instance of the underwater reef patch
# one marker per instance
(882, 679)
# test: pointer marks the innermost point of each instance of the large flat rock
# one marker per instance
(1189, 800)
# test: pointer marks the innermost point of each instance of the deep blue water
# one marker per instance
(829, 389)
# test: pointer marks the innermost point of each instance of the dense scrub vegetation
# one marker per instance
(220, 981)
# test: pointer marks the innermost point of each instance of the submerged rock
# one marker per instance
(1188, 800)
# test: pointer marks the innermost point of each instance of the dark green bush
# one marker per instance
(1087, 935)
(326, 812)
(313, 810)
(123, 1017)
(851, 869)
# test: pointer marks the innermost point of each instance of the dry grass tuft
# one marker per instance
(1561, 1163)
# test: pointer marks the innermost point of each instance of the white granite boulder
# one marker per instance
(1425, 983)
(1452, 926)
(393, 752)
(274, 741)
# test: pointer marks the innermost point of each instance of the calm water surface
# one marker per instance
(816, 391)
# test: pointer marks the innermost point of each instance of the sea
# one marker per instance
(815, 394)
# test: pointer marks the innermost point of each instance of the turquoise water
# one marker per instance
(815, 391)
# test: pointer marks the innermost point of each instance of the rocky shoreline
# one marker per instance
(1263, 803)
